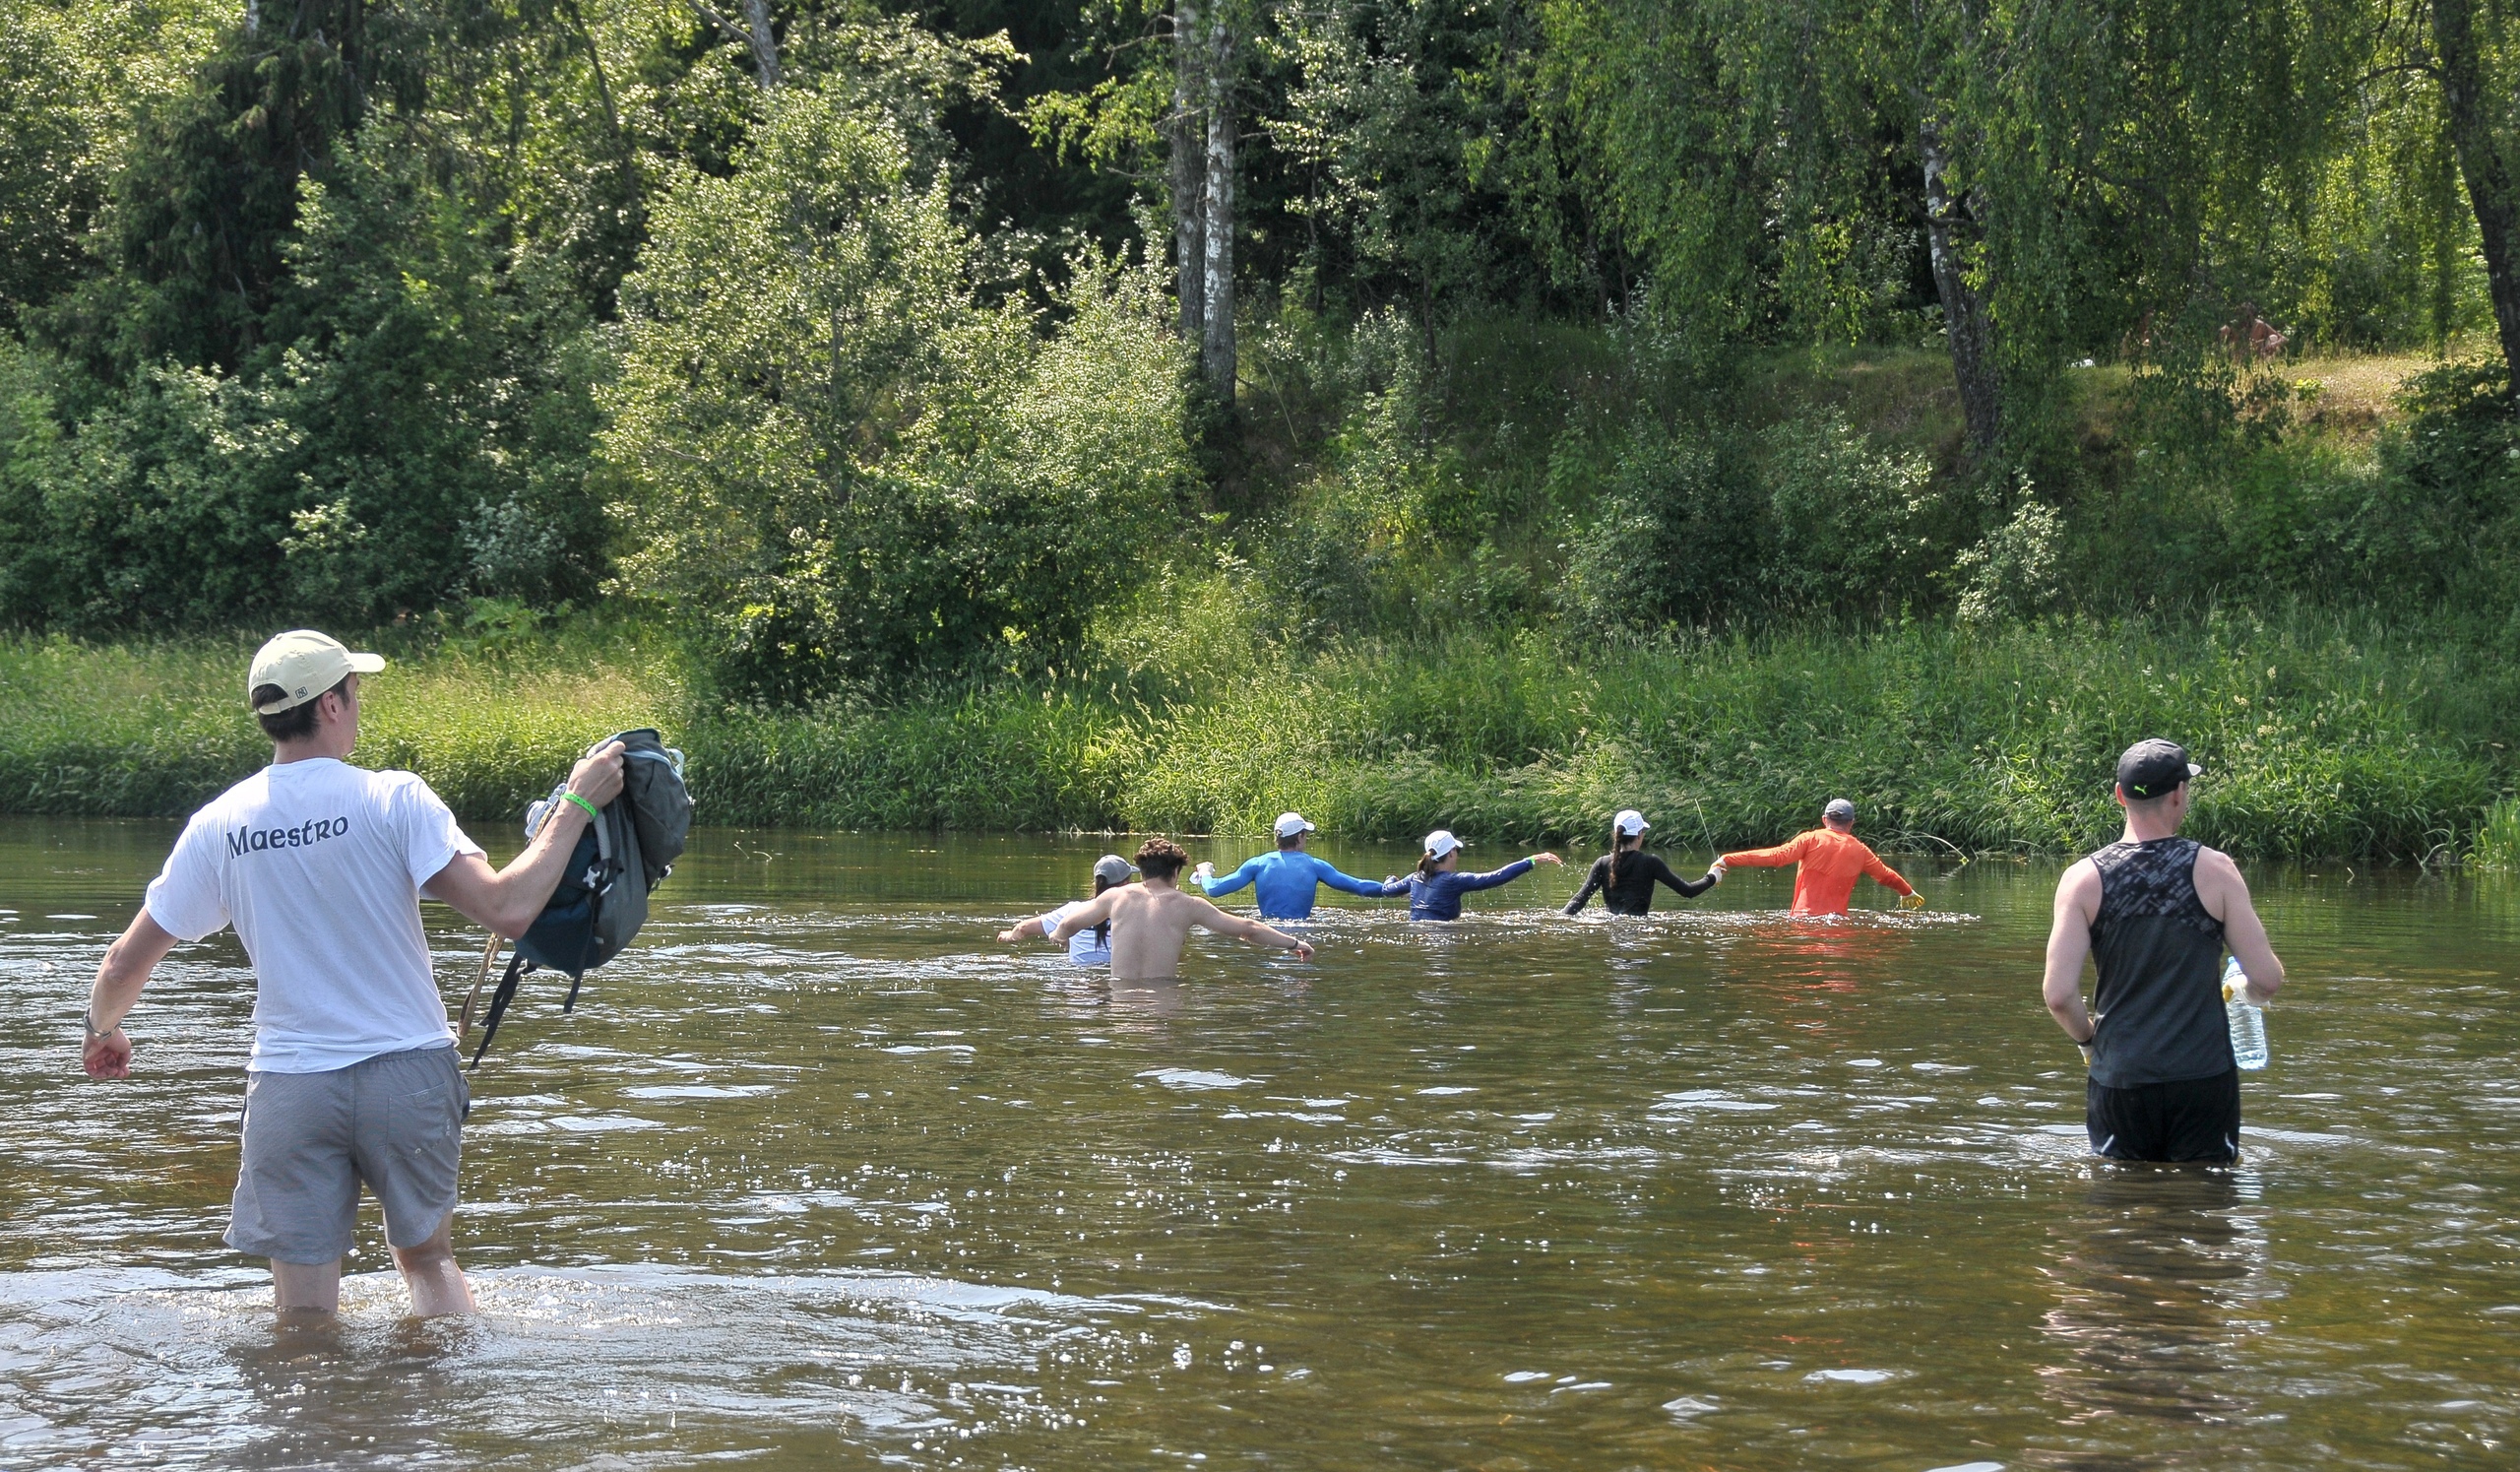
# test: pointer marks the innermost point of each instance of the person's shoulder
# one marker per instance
(2080, 874)
(2216, 863)
(394, 785)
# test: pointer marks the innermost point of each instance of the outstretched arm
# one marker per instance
(1505, 875)
(1253, 931)
(1087, 916)
(2068, 945)
(125, 970)
(1249, 872)
(1776, 858)
(1039, 927)
(1325, 874)
(1687, 888)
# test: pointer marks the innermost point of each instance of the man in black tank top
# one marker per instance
(2156, 910)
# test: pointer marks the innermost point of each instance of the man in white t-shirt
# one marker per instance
(320, 865)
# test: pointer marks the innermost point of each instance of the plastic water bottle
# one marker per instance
(2248, 1019)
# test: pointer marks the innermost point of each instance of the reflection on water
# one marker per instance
(820, 1174)
(2152, 1269)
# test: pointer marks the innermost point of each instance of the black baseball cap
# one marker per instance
(2153, 767)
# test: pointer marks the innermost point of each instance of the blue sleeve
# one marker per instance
(1249, 872)
(1349, 883)
(1493, 877)
(1395, 886)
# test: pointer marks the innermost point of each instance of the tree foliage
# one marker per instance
(832, 329)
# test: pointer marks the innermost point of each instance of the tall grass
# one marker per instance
(2317, 742)
(2497, 841)
(2321, 736)
(154, 730)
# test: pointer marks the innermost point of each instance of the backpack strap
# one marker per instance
(499, 1000)
(481, 979)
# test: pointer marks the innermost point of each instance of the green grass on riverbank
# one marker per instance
(2323, 738)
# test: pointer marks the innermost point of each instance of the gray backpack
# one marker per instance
(602, 897)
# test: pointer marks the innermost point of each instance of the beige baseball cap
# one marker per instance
(305, 664)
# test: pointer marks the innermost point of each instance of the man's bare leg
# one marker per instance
(307, 1294)
(437, 1284)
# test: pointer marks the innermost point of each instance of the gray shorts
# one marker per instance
(393, 1122)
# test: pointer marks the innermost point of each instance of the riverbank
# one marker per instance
(2324, 739)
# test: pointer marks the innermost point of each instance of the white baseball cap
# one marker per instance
(1629, 820)
(304, 665)
(1441, 842)
(1291, 823)
(1111, 869)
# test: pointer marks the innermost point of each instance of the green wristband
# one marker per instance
(592, 813)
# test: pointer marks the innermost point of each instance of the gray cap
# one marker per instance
(1111, 869)
(1839, 808)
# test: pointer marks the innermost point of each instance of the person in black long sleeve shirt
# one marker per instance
(1627, 874)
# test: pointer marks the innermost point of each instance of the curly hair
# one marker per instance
(1160, 858)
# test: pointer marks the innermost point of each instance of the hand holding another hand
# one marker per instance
(1546, 859)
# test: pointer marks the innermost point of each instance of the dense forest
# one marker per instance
(880, 351)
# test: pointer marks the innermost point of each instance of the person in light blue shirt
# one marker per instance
(1435, 889)
(1087, 947)
(1283, 881)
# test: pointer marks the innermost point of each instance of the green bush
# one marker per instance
(402, 437)
(1680, 535)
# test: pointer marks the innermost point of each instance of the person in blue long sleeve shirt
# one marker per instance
(1435, 891)
(1283, 881)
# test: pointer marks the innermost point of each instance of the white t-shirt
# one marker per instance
(319, 865)
(1081, 948)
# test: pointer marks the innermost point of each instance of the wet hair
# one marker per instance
(296, 723)
(1290, 840)
(1160, 858)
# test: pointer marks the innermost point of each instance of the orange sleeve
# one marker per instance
(1884, 874)
(1776, 858)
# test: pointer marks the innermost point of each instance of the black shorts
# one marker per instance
(2194, 1118)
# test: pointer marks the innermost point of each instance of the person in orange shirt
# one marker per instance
(1831, 856)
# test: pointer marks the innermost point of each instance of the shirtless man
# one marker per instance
(1151, 919)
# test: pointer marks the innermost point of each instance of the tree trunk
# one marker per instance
(765, 50)
(1189, 171)
(253, 17)
(1216, 343)
(1963, 311)
(2491, 190)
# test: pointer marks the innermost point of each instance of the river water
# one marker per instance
(819, 1175)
